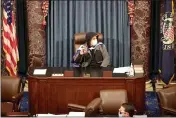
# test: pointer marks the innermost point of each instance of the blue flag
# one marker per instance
(167, 42)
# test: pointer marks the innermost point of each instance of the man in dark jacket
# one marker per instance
(92, 54)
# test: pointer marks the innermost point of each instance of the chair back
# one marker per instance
(10, 86)
(80, 39)
(167, 97)
(92, 108)
(112, 100)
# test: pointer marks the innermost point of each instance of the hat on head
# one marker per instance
(89, 36)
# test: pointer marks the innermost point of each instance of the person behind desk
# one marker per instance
(127, 110)
(92, 54)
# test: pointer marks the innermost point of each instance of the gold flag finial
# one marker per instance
(172, 7)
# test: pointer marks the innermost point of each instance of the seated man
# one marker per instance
(126, 110)
(92, 54)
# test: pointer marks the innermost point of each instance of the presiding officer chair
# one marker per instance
(109, 103)
(11, 94)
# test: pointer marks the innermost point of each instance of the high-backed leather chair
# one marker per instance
(80, 39)
(90, 110)
(111, 100)
(10, 94)
(167, 100)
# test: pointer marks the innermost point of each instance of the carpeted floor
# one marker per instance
(24, 103)
(151, 104)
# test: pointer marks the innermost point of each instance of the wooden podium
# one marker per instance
(52, 94)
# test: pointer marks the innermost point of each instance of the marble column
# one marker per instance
(36, 34)
(140, 39)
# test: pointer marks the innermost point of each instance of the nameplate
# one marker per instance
(65, 115)
(86, 75)
(121, 70)
(39, 71)
(57, 74)
(76, 114)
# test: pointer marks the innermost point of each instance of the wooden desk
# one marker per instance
(16, 114)
(52, 94)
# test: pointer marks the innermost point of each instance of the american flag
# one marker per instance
(9, 39)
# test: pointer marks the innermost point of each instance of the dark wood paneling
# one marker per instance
(65, 91)
(53, 94)
(140, 94)
(33, 96)
(43, 95)
(130, 87)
